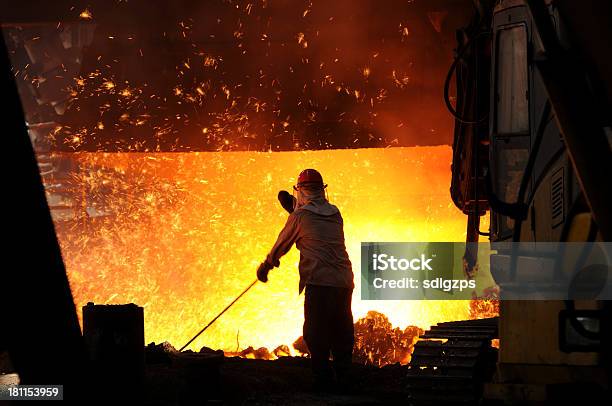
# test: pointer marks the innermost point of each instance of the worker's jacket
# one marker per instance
(316, 228)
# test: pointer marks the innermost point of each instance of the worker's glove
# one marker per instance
(286, 200)
(262, 271)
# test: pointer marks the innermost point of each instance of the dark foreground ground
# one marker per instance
(210, 378)
(191, 379)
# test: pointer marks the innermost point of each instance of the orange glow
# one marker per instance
(86, 15)
(183, 233)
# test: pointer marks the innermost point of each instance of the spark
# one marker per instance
(86, 15)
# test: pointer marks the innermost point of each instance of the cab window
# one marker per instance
(512, 106)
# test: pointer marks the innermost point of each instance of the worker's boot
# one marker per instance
(324, 379)
(342, 368)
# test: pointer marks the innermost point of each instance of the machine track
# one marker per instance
(451, 362)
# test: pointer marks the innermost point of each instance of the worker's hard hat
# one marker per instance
(310, 176)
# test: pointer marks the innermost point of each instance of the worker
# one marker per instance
(316, 227)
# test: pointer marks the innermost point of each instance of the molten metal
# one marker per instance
(182, 234)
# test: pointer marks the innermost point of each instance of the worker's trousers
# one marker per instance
(328, 329)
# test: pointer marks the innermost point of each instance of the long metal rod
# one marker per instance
(220, 314)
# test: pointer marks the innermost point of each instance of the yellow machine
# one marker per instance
(532, 146)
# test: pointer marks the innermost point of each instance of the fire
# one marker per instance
(486, 306)
(181, 234)
(378, 343)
